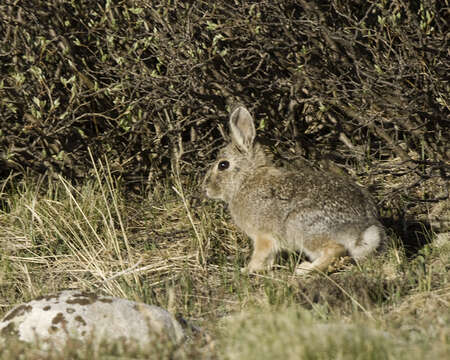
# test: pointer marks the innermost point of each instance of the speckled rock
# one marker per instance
(86, 316)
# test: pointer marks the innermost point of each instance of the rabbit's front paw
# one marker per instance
(253, 268)
(305, 268)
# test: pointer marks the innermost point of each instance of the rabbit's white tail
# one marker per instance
(369, 241)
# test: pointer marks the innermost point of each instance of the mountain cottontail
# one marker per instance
(322, 214)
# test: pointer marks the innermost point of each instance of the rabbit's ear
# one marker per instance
(242, 128)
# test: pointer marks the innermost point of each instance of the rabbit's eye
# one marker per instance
(223, 165)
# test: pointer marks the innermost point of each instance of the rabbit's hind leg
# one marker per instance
(327, 254)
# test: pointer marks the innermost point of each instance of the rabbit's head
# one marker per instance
(236, 161)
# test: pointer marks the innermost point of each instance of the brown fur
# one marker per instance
(263, 250)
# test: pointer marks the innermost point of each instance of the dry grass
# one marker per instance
(175, 251)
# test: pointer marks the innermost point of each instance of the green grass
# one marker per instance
(175, 250)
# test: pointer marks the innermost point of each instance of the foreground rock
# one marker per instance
(89, 317)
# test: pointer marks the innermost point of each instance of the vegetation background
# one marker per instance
(110, 112)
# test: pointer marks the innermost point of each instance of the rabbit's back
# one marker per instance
(304, 190)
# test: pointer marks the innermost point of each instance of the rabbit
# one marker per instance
(321, 214)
